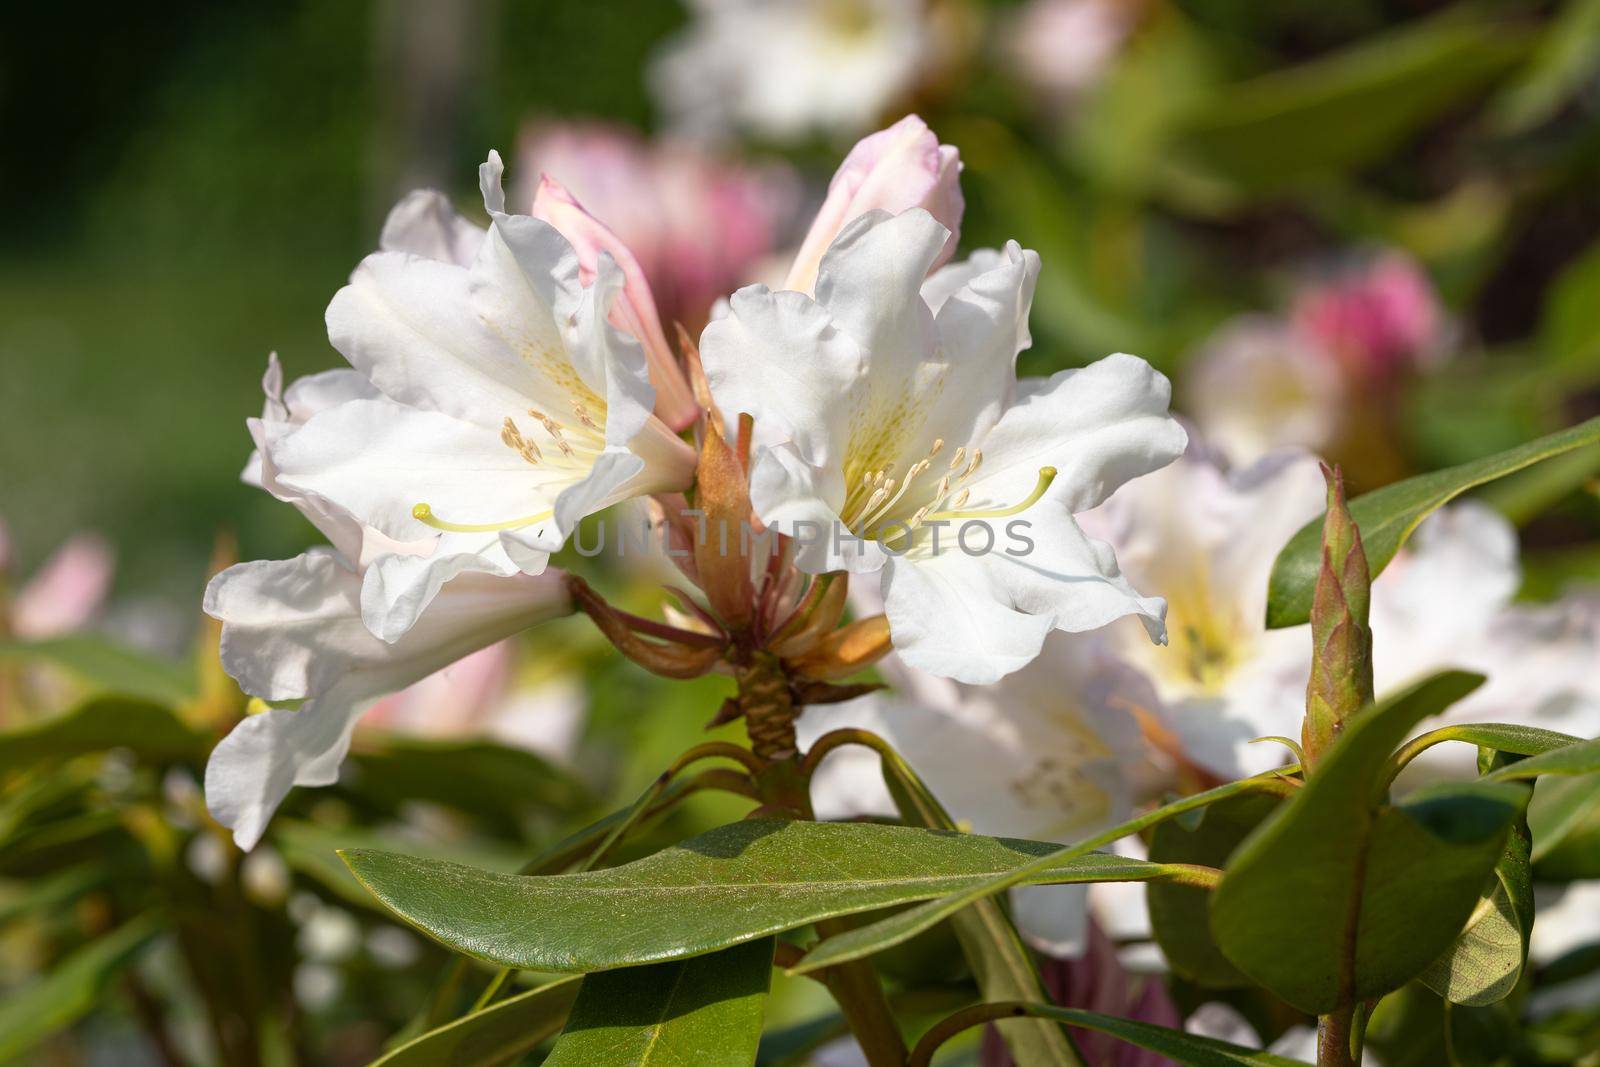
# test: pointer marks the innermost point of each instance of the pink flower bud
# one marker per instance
(1377, 321)
(635, 311)
(67, 592)
(893, 170)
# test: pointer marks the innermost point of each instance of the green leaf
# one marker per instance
(1387, 517)
(1498, 736)
(1337, 114)
(1581, 758)
(1487, 958)
(499, 1034)
(71, 989)
(904, 925)
(1001, 964)
(492, 781)
(732, 884)
(1178, 914)
(1567, 56)
(1570, 331)
(1178, 1046)
(111, 667)
(313, 850)
(50, 891)
(1564, 809)
(1335, 898)
(153, 731)
(705, 1011)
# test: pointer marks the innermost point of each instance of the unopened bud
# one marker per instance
(1341, 638)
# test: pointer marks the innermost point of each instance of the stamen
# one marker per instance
(961, 498)
(977, 458)
(938, 446)
(1046, 476)
(424, 514)
(955, 460)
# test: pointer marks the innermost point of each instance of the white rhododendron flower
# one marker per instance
(1259, 386)
(1205, 537)
(1044, 754)
(292, 630)
(897, 439)
(508, 405)
(786, 68)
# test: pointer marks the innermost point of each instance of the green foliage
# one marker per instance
(1179, 914)
(153, 731)
(1188, 1050)
(1338, 897)
(493, 1036)
(71, 989)
(705, 1011)
(732, 884)
(1387, 517)
(109, 666)
(1486, 961)
(1339, 113)
(1565, 818)
(1000, 963)
(901, 926)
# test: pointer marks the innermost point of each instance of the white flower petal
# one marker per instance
(293, 629)
(379, 460)
(424, 223)
(1099, 426)
(780, 358)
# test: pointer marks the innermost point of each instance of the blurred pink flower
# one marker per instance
(1062, 47)
(1378, 319)
(894, 170)
(67, 591)
(1096, 981)
(481, 695)
(696, 224)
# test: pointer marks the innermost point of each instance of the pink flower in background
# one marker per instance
(66, 593)
(484, 695)
(1379, 319)
(894, 170)
(1318, 377)
(696, 224)
(1096, 981)
(1060, 48)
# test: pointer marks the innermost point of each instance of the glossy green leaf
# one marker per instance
(497, 1035)
(1335, 114)
(904, 925)
(706, 1011)
(1178, 914)
(109, 666)
(1387, 517)
(732, 884)
(71, 989)
(1484, 963)
(1178, 1046)
(1001, 965)
(1338, 897)
(152, 730)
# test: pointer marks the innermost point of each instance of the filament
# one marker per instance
(424, 514)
